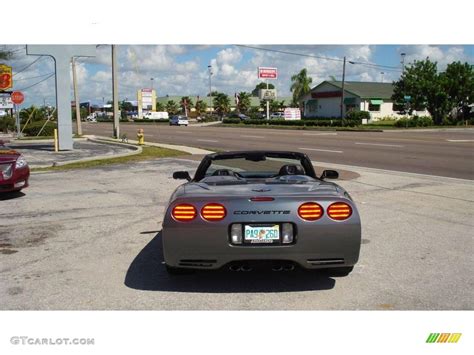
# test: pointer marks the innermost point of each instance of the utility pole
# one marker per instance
(76, 98)
(382, 73)
(268, 106)
(115, 92)
(210, 87)
(403, 62)
(342, 93)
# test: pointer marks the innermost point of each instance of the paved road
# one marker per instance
(90, 239)
(445, 153)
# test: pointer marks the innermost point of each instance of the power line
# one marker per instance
(34, 77)
(367, 64)
(39, 82)
(29, 65)
(291, 53)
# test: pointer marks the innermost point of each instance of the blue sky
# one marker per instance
(182, 69)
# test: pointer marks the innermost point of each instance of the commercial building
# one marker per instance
(324, 100)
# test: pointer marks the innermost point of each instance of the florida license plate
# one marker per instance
(261, 234)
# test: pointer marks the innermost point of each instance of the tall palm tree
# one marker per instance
(300, 85)
(244, 102)
(172, 107)
(200, 107)
(186, 104)
(221, 103)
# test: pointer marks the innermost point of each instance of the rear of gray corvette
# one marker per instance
(217, 221)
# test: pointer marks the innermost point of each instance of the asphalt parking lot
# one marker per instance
(90, 240)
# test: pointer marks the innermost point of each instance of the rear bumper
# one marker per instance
(209, 247)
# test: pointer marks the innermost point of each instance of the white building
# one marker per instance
(324, 100)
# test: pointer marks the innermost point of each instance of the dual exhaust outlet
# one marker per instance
(275, 267)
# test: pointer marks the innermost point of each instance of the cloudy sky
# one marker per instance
(182, 69)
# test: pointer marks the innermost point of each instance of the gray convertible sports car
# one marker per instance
(246, 207)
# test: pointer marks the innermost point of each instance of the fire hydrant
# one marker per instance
(140, 136)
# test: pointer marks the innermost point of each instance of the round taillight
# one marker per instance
(310, 211)
(339, 211)
(213, 212)
(184, 212)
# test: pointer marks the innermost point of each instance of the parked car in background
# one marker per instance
(179, 120)
(14, 170)
(277, 115)
(241, 116)
(154, 115)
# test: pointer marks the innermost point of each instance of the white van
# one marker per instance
(156, 115)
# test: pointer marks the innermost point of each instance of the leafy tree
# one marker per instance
(172, 107)
(160, 107)
(260, 86)
(125, 106)
(32, 114)
(186, 103)
(200, 107)
(300, 85)
(276, 105)
(426, 88)
(213, 93)
(458, 81)
(221, 104)
(244, 102)
(5, 55)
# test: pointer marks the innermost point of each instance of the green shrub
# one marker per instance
(231, 120)
(32, 129)
(357, 116)
(7, 124)
(414, 121)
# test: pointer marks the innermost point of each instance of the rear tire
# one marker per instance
(177, 270)
(340, 271)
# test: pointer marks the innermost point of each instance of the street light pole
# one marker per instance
(115, 92)
(382, 73)
(403, 62)
(342, 93)
(209, 68)
(151, 79)
(76, 98)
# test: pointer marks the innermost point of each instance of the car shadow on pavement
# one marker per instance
(11, 195)
(147, 272)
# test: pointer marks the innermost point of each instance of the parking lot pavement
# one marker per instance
(90, 239)
(41, 153)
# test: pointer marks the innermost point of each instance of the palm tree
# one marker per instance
(200, 107)
(221, 103)
(244, 102)
(172, 107)
(160, 107)
(301, 85)
(186, 104)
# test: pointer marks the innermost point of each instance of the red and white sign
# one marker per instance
(267, 73)
(17, 97)
(292, 113)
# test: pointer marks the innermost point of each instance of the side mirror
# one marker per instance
(181, 175)
(329, 174)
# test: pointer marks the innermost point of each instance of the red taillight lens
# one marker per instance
(310, 211)
(339, 211)
(184, 212)
(213, 212)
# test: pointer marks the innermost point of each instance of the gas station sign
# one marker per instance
(6, 79)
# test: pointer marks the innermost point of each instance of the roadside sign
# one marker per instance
(17, 97)
(292, 113)
(6, 79)
(267, 73)
(407, 98)
(5, 101)
(267, 94)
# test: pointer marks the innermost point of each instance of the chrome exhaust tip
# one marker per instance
(235, 267)
(289, 267)
(246, 268)
(277, 267)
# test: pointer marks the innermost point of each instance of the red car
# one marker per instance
(14, 170)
